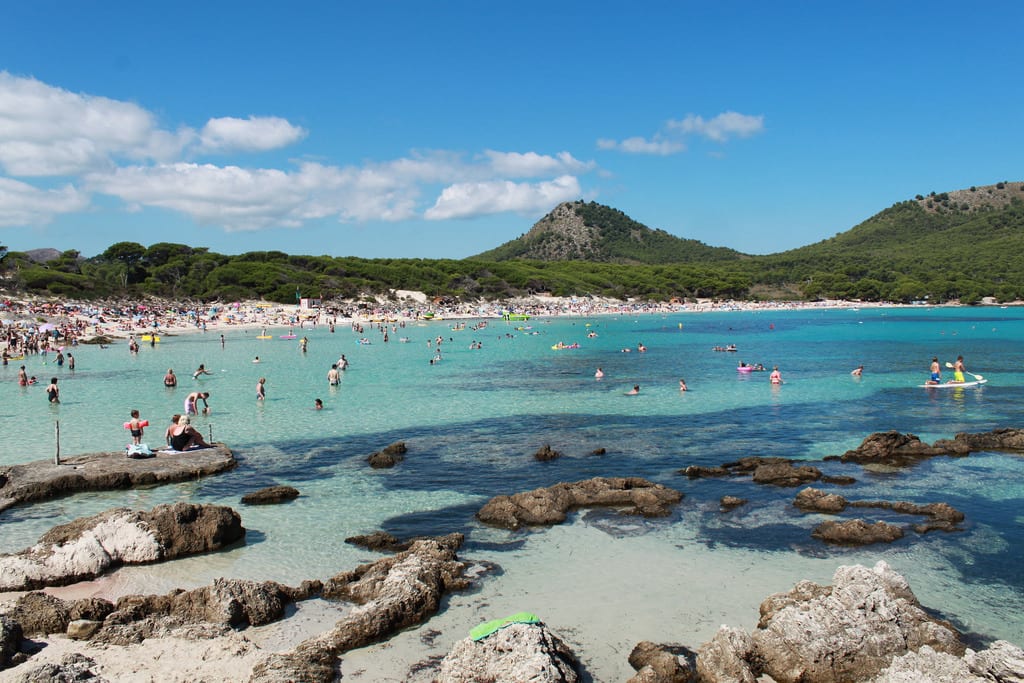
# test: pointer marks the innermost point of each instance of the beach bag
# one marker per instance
(139, 450)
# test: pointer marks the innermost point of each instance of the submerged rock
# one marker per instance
(550, 505)
(815, 500)
(857, 532)
(517, 652)
(271, 495)
(894, 448)
(545, 453)
(727, 503)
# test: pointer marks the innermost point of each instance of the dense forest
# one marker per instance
(930, 249)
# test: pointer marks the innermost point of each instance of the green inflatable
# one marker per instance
(488, 627)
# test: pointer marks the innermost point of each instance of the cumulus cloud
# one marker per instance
(465, 200)
(670, 140)
(255, 134)
(48, 131)
(23, 204)
(532, 165)
(639, 145)
(722, 127)
(119, 149)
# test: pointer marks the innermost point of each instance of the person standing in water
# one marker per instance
(776, 376)
(333, 376)
(261, 389)
(52, 392)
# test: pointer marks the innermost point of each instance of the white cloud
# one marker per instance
(233, 197)
(465, 200)
(257, 134)
(23, 204)
(118, 149)
(532, 165)
(48, 131)
(638, 145)
(670, 139)
(721, 127)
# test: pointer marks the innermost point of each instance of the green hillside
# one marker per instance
(588, 231)
(964, 244)
(959, 245)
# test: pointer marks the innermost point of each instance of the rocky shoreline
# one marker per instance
(867, 625)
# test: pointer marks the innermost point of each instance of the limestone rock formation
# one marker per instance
(517, 652)
(90, 546)
(849, 631)
(857, 532)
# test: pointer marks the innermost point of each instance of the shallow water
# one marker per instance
(473, 421)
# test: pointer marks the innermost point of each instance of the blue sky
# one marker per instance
(443, 129)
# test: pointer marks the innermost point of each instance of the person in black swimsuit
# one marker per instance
(52, 392)
(185, 436)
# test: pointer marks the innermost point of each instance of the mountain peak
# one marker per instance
(588, 231)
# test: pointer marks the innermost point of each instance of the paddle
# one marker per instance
(977, 377)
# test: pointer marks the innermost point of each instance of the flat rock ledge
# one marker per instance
(866, 626)
(90, 546)
(547, 506)
(517, 652)
(271, 495)
(43, 479)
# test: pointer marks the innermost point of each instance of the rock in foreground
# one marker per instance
(848, 631)
(517, 652)
(89, 546)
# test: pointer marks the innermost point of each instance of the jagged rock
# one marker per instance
(1002, 661)
(926, 666)
(270, 495)
(857, 532)
(396, 448)
(380, 541)
(894, 448)
(816, 500)
(518, 652)
(234, 602)
(785, 474)
(698, 471)
(545, 453)
(847, 633)
(90, 546)
(381, 460)
(598, 451)
(393, 593)
(10, 640)
(943, 515)
(726, 658)
(547, 506)
(996, 440)
(73, 666)
(660, 664)
(40, 613)
(731, 502)
(83, 629)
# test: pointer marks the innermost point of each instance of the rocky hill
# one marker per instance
(587, 231)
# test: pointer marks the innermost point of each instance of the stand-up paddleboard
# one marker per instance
(150, 337)
(954, 385)
(264, 336)
(286, 336)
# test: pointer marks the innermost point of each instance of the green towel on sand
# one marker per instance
(488, 627)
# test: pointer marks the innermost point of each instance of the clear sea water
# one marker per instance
(473, 421)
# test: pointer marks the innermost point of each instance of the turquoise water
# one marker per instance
(473, 421)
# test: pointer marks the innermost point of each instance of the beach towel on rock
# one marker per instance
(139, 450)
(488, 627)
